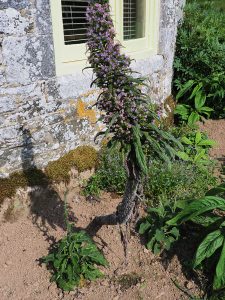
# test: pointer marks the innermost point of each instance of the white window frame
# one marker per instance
(68, 58)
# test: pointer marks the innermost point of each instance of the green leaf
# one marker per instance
(150, 244)
(175, 232)
(198, 207)
(206, 220)
(138, 150)
(92, 274)
(182, 110)
(206, 109)
(186, 140)
(98, 258)
(145, 226)
(193, 118)
(198, 137)
(156, 249)
(200, 99)
(219, 279)
(159, 235)
(199, 156)
(196, 89)
(157, 148)
(186, 87)
(207, 248)
(182, 155)
(207, 143)
(48, 258)
(215, 191)
(66, 285)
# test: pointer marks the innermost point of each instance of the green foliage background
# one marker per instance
(202, 38)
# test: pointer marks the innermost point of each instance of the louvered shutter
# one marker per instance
(74, 21)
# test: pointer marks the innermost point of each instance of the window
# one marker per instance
(136, 23)
(74, 22)
(133, 19)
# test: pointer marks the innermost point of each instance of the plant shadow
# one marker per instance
(46, 205)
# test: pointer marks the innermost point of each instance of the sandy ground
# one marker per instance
(27, 237)
(36, 221)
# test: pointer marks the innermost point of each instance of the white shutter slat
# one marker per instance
(74, 21)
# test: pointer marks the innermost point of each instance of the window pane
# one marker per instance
(74, 21)
(133, 19)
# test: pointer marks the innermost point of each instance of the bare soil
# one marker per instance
(33, 220)
(216, 130)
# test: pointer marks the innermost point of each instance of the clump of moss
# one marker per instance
(82, 158)
(31, 177)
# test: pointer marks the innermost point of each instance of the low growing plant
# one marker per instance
(160, 236)
(180, 181)
(209, 212)
(110, 174)
(196, 147)
(196, 111)
(74, 259)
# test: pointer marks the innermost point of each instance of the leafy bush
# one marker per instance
(160, 236)
(110, 174)
(74, 258)
(196, 110)
(196, 147)
(180, 181)
(73, 261)
(202, 38)
(209, 213)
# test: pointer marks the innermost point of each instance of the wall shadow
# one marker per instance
(46, 206)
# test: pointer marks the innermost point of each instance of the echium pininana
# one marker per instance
(124, 106)
(121, 92)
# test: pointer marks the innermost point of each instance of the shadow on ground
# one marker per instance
(46, 206)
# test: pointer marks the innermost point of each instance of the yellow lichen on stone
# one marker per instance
(84, 112)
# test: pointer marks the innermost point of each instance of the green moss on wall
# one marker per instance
(82, 158)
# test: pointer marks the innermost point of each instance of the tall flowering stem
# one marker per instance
(124, 106)
(121, 97)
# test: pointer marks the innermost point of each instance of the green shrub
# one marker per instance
(164, 182)
(196, 148)
(109, 176)
(208, 212)
(180, 181)
(74, 260)
(202, 38)
(160, 236)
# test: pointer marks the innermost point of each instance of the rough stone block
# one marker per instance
(42, 16)
(17, 4)
(12, 23)
(7, 104)
(28, 59)
(72, 86)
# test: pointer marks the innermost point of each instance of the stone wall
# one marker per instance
(54, 109)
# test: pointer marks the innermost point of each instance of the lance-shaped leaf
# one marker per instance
(207, 248)
(197, 208)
